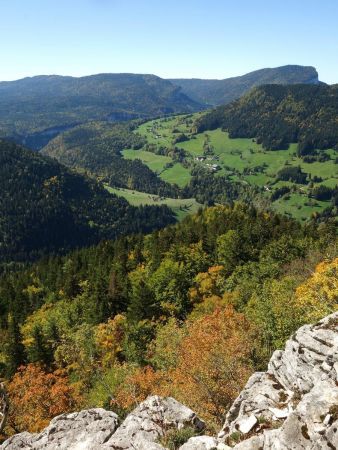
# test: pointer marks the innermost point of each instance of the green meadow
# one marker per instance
(181, 207)
(239, 159)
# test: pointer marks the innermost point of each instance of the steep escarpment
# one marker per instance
(294, 405)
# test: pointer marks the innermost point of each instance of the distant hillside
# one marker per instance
(218, 92)
(278, 115)
(96, 148)
(35, 109)
(46, 208)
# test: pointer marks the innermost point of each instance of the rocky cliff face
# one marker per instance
(294, 405)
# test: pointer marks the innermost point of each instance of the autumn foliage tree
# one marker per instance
(214, 363)
(318, 296)
(36, 397)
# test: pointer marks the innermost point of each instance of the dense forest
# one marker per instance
(210, 189)
(277, 115)
(96, 149)
(188, 311)
(44, 207)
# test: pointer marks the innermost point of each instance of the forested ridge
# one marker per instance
(96, 148)
(188, 311)
(43, 104)
(46, 208)
(277, 115)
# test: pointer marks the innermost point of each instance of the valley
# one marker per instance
(170, 254)
(239, 159)
(168, 225)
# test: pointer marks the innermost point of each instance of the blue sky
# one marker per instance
(170, 38)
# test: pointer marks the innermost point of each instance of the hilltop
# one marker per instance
(217, 92)
(279, 115)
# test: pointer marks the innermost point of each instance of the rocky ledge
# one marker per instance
(294, 405)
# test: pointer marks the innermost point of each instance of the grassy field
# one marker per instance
(176, 175)
(299, 206)
(155, 162)
(181, 207)
(239, 159)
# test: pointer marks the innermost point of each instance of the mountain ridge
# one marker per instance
(35, 109)
(43, 103)
(219, 91)
(277, 115)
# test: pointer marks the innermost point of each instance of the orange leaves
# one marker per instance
(139, 385)
(214, 362)
(36, 397)
(211, 366)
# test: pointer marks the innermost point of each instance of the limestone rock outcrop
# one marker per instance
(149, 422)
(87, 430)
(98, 429)
(294, 405)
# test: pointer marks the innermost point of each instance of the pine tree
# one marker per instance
(15, 352)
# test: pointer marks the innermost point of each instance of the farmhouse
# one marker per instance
(200, 158)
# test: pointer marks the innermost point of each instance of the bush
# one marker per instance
(174, 439)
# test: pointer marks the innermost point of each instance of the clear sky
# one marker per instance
(170, 38)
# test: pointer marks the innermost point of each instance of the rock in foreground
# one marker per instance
(97, 429)
(294, 405)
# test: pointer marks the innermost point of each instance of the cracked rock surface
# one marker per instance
(98, 429)
(143, 428)
(296, 401)
(294, 405)
(83, 430)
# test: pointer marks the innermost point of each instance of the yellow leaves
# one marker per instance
(38, 318)
(318, 296)
(282, 305)
(32, 290)
(206, 284)
(108, 339)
